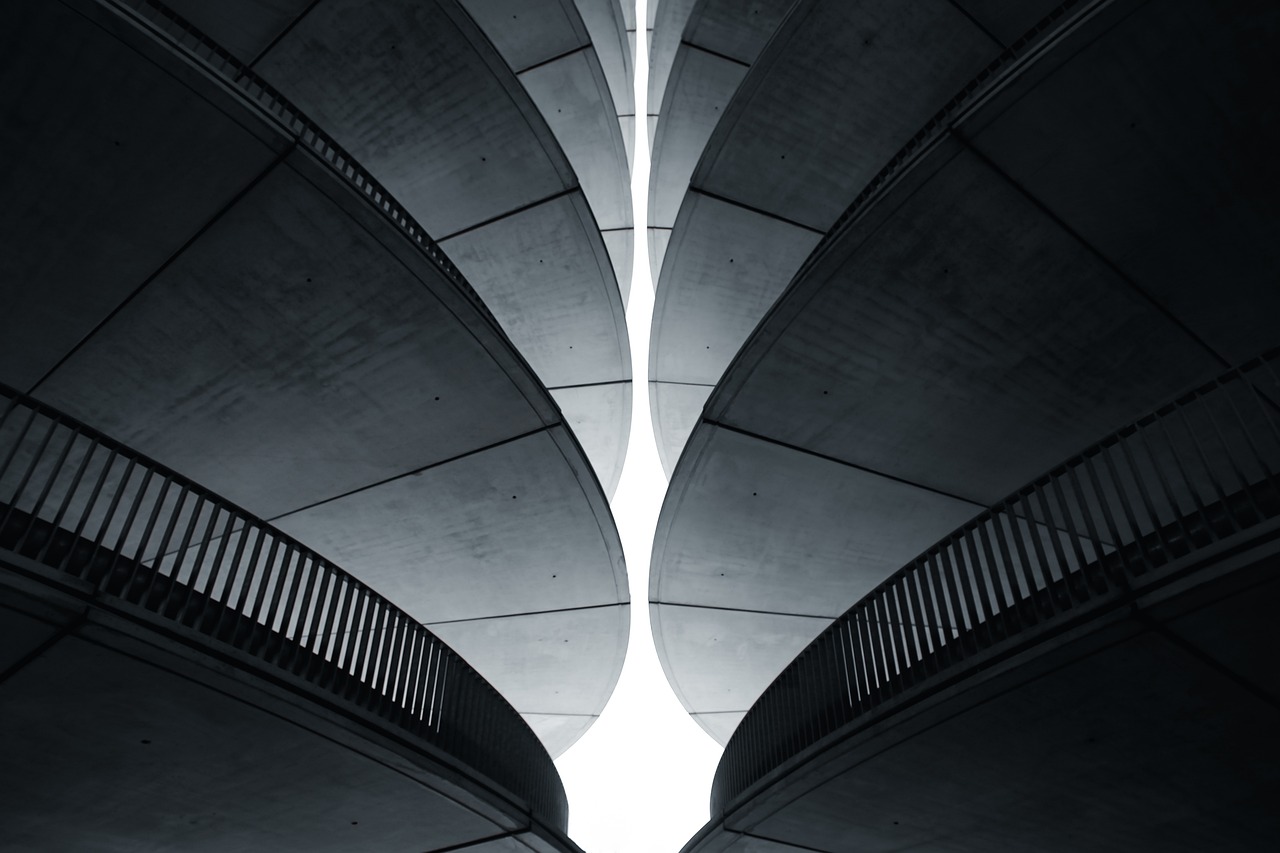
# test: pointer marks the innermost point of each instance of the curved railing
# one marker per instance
(141, 537)
(1195, 472)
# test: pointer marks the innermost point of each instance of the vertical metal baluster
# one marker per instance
(180, 555)
(1158, 531)
(127, 527)
(1032, 610)
(65, 563)
(1221, 391)
(924, 637)
(965, 552)
(42, 556)
(1014, 611)
(1179, 517)
(44, 494)
(1074, 536)
(1094, 567)
(1055, 540)
(210, 594)
(960, 592)
(1004, 616)
(28, 474)
(947, 617)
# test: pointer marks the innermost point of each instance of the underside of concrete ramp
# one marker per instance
(122, 740)
(1074, 235)
(1154, 729)
(202, 275)
(494, 125)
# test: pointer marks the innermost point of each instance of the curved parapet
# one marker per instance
(137, 601)
(1125, 597)
(751, 179)
(223, 287)
(521, 178)
(1062, 246)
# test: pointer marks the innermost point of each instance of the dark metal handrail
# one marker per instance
(77, 502)
(1193, 473)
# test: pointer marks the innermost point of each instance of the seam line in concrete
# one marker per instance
(168, 262)
(986, 32)
(478, 841)
(756, 210)
(1192, 650)
(49, 642)
(789, 844)
(552, 59)
(589, 384)
(675, 382)
(273, 519)
(521, 209)
(1092, 249)
(726, 57)
(745, 610)
(284, 32)
(856, 467)
(526, 613)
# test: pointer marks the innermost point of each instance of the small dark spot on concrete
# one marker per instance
(825, 393)
(553, 576)
(144, 740)
(754, 494)
(437, 398)
(355, 823)
(513, 497)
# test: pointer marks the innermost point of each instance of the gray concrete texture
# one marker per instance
(179, 275)
(1128, 734)
(1058, 255)
(494, 124)
(130, 744)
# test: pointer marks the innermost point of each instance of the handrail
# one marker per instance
(82, 504)
(1193, 473)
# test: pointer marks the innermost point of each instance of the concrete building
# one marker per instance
(913, 256)
(243, 244)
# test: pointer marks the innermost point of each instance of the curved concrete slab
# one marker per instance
(425, 97)
(174, 751)
(299, 352)
(1040, 265)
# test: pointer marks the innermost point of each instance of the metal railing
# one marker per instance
(1195, 472)
(142, 537)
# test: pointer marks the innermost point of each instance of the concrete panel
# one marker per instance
(724, 267)
(720, 725)
(604, 20)
(967, 344)
(100, 190)
(527, 32)
(722, 660)
(573, 96)
(243, 27)
(1090, 756)
(670, 17)
(675, 410)
(620, 244)
(738, 29)
(286, 357)
(751, 525)
(503, 531)
(1007, 20)
(546, 276)
(600, 417)
(659, 238)
(628, 124)
(546, 663)
(160, 761)
(903, 66)
(410, 95)
(1152, 145)
(558, 732)
(701, 86)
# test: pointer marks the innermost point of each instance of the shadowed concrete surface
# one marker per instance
(186, 274)
(1046, 235)
(1152, 729)
(124, 740)
(494, 125)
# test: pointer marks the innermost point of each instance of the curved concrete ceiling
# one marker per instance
(203, 287)
(1078, 236)
(493, 124)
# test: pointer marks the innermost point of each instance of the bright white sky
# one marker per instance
(639, 780)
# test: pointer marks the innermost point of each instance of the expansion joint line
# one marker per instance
(1192, 650)
(756, 210)
(1092, 249)
(168, 262)
(467, 845)
(847, 464)
(544, 62)
(726, 57)
(281, 35)
(65, 631)
(777, 841)
(501, 216)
